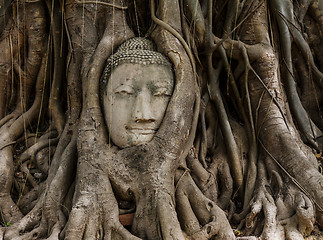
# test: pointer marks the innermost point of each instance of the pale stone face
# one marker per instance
(135, 102)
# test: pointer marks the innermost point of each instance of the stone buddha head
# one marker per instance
(135, 89)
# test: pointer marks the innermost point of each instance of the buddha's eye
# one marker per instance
(162, 92)
(124, 90)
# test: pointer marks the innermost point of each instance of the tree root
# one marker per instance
(28, 201)
(27, 223)
(215, 181)
(200, 217)
(44, 141)
(215, 96)
(155, 216)
(283, 12)
(287, 212)
(53, 219)
(95, 215)
(264, 202)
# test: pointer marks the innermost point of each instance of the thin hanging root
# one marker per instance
(55, 107)
(203, 148)
(253, 149)
(102, 3)
(304, 47)
(215, 95)
(194, 8)
(306, 126)
(231, 16)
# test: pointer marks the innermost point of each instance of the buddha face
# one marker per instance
(135, 102)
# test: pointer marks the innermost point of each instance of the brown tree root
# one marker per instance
(26, 224)
(200, 217)
(9, 211)
(287, 213)
(263, 201)
(44, 141)
(28, 201)
(95, 214)
(9, 133)
(215, 181)
(32, 75)
(155, 216)
(284, 15)
(52, 220)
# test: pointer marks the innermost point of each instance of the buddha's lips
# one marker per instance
(143, 131)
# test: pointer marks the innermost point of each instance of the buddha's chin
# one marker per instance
(133, 138)
(140, 138)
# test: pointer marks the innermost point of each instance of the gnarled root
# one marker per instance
(296, 213)
(284, 211)
(263, 201)
(155, 216)
(26, 224)
(215, 182)
(32, 75)
(95, 213)
(9, 211)
(200, 217)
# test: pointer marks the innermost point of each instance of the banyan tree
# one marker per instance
(161, 119)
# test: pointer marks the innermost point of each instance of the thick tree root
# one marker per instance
(284, 211)
(26, 224)
(155, 216)
(96, 215)
(215, 181)
(200, 217)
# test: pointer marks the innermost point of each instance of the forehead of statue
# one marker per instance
(138, 75)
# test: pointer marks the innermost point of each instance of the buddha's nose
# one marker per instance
(143, 111)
